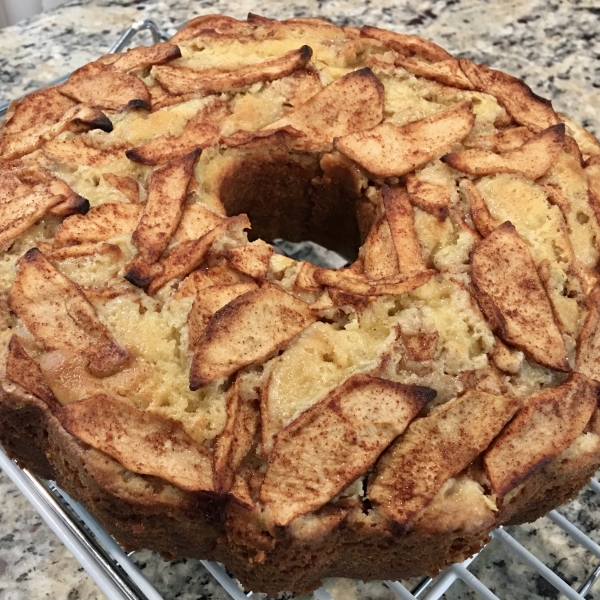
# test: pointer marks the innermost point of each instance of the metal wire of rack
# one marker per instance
(117, 575)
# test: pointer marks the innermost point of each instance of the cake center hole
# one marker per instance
(289, 198)
(311, 252)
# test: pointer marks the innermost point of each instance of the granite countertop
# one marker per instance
(554, 45)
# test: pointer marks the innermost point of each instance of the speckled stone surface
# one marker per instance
(554, 45)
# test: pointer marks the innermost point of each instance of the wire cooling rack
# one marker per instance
(117, 575)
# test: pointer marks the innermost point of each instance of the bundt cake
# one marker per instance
(205, 396)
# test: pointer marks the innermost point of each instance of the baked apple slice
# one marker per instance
(99, 224)
(588, 344)
(252, 260)
(432, 198)
(76, 152)
(235, 441)
(352, 103)
(547, 425)
(532, 160)
(335, 441)
(200, 131)
(76, 119)
(57, 313)
(183, 80)
(23, 370)
(348, 281)
(480, 213)
(164, 207)
(42, 108)
(247, 330)
(399, 214)
(142, 441)
(183, 258)
(21, 206)
(525, 107)
(512, 296)
(407, 45)
(98, 85)
(501, 141)
(128, 186)
(207, 302)
(196, 221)
(391, 151)
(435, 448)
(143, 57)
(380, 259)
(446, 71)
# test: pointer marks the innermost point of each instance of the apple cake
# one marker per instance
(205, 396)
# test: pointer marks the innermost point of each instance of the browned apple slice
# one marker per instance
(420, 347)
(140, 273)
(532, 160)
(501, 141)
(128, 186)
(391, 151)
(183, 80)
(78, 152)
(252, 260)
(219, 24)
(379, 255)
(200, 279)
(201, 131)
(57, 313)
(588, 344)
(207, 302)
(23, 370)
(352, 103)
(587, 142)
(435, 448)
(196, 221)
(143, 57)
(399, 214)
(284, 136)
(407, 45)
(571, 147)
(445, 71)
(429, 197)
(525, 107)
(98, 85)
(305, 279)
(234, 442)
(480, 213)
(335, 441)
(73, 204)
(247, 330)
(99, 224)
(78, 118)
(21, 206)
(547, 425)
(143, 442)
(44, 107)
(509, 290)
(164, 206)
(183, 258)
(111, 250)
(350, 282)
